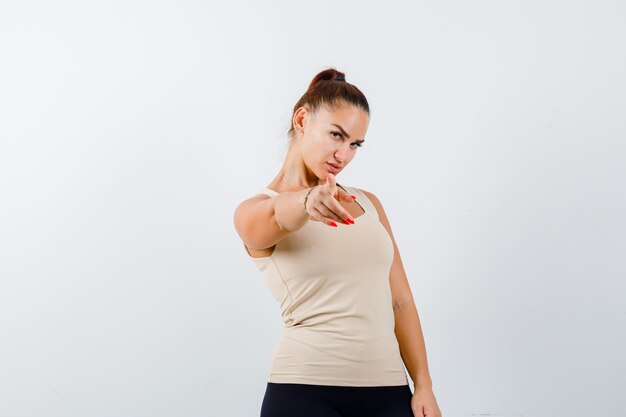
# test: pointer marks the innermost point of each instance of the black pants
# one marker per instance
(304, 400)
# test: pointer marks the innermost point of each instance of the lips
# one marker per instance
(333, 168)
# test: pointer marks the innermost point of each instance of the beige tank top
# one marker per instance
(332, 284)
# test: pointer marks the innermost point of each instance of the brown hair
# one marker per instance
(324, 90)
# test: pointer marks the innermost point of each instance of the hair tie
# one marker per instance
(338, 78)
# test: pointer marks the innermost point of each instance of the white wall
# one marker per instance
(130, 130)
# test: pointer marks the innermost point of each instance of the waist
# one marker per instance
(307, 355)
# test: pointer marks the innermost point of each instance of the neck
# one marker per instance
(294, 174)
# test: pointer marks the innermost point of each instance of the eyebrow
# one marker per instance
(346, 133)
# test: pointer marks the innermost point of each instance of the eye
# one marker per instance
(354, 145)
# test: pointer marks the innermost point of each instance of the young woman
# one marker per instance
(328, 256)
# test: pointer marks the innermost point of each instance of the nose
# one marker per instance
(341, 155)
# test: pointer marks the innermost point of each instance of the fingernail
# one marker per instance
(345, 222)
(333, 224)
(353, 197)
(351, 220)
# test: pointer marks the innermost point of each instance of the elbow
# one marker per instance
(401, 304)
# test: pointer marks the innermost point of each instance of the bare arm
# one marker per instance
(407, 329)
(262, 221)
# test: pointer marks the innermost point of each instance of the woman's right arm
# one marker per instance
(262, 221)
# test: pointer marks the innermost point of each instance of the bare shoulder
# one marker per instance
(372, 197)
(382, 216)
(246, 207)
(252, 200)
(379, 206)
(257, 197)
(255, 223)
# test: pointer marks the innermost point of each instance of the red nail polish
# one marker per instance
(333, 224)
(353, 197)
(346, 222)
(351, 220)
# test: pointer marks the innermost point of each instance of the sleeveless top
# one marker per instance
(332, 285)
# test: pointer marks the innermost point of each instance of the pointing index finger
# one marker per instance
(332, 185)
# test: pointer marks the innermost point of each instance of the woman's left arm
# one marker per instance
(408, 329)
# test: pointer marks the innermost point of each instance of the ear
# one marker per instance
(300, 118)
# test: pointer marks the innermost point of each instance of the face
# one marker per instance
(330, 139)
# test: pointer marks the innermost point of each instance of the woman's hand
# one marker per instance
(322, 204)
(424, 403)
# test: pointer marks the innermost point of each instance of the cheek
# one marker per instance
(323, 146)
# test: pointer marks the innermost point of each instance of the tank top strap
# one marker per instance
(363, 200)
(267, 191)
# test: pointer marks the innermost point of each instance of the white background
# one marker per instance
(130, 130)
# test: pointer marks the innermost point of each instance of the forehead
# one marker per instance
(346, 113)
